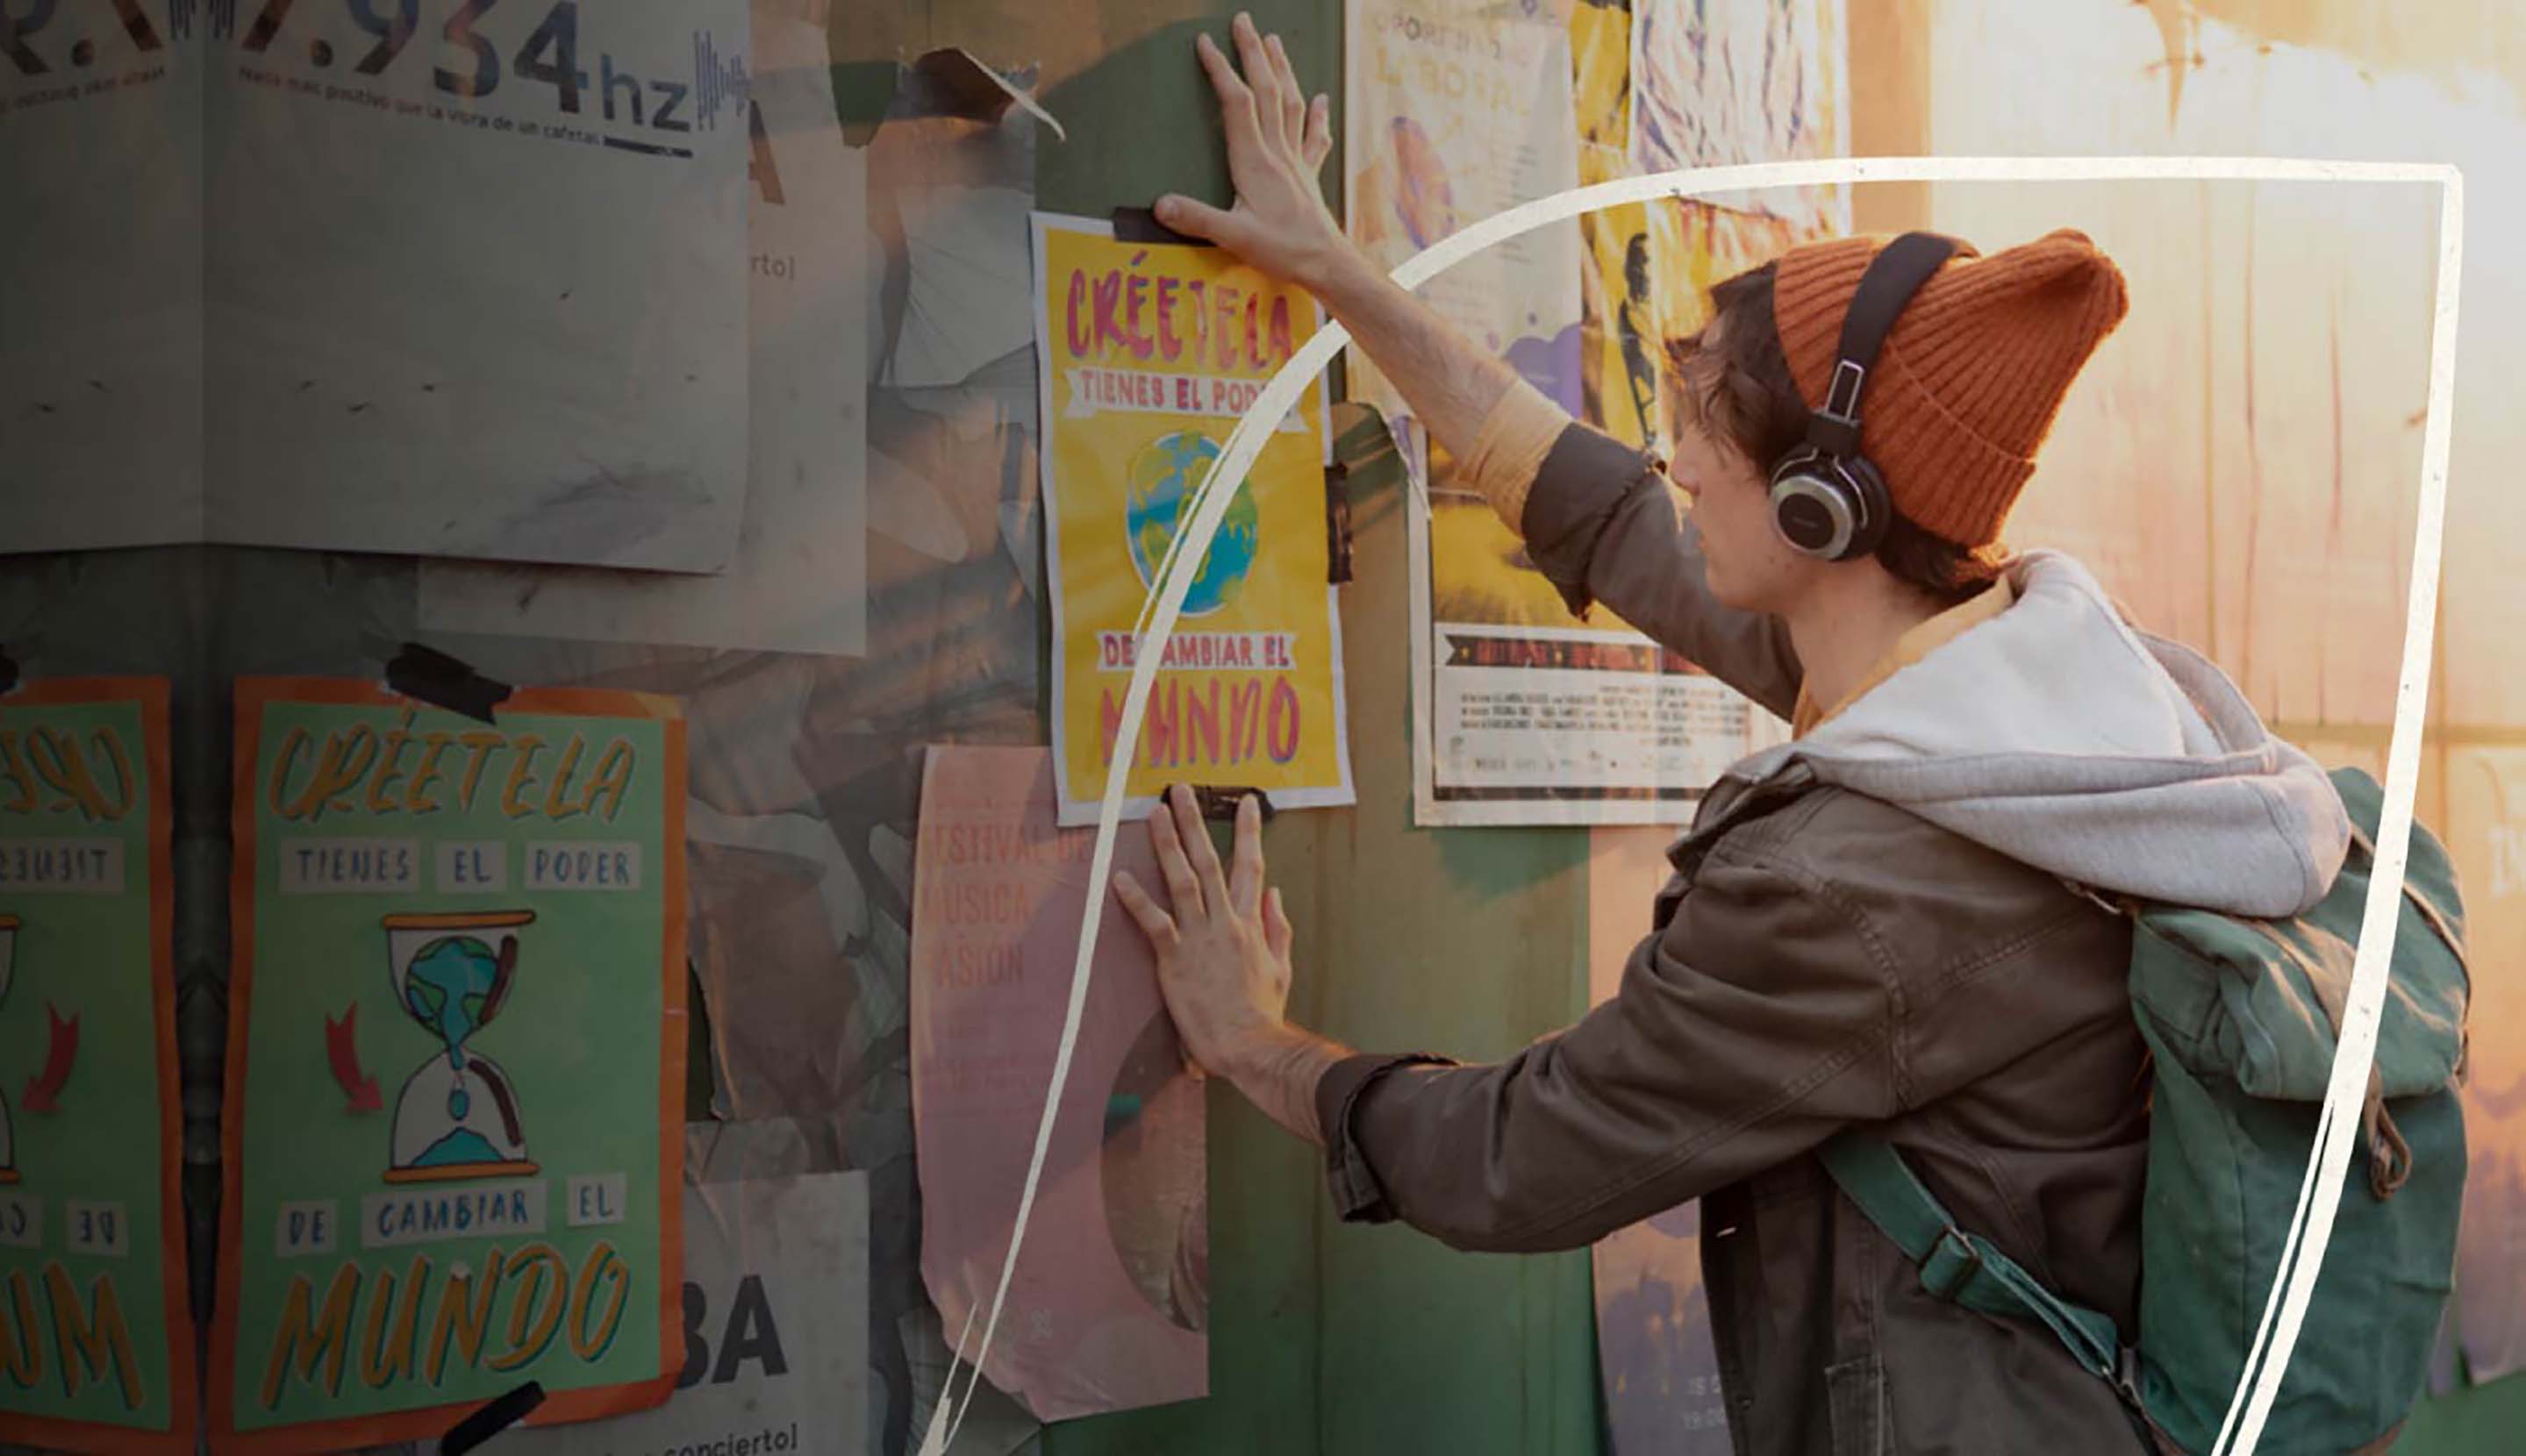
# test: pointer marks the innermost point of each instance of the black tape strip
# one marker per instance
(1138, 224)
(1337, 523)
(8, 673)
(429, 676)
(1218, 801)
(491, 1420)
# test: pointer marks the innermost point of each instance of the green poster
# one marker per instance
(95, 1351)
(454, 1117)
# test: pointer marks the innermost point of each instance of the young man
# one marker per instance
(1881, 924)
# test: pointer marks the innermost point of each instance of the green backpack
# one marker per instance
(2240, 1015)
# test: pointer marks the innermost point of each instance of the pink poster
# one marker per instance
(1108, 1309)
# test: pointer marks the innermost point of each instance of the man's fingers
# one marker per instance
(1222, 72)
(1236, 98)
(1197, 220)
(1153, 921)
(1254, 59)
(1319, 132)
(1293, 101)
(1277, 938)
(1246, 862)
(1198, 846)
(1184, 888)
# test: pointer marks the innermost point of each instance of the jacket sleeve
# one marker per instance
(1603, 524)
(1755, 1023)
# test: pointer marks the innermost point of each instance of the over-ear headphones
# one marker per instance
(1828, 500)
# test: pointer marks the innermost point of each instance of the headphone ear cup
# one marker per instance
(1815, 507)
(1875, 506)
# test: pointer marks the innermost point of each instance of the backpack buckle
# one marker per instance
(2127, 1377)
(1953, 1262)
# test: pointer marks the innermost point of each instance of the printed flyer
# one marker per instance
(427, 220)
(1109, 1305)
(455, 1071)
(1149, 354)
(96, 1344)
(101, 351)
(1533, 717)
(799, 580)
(1459, 110)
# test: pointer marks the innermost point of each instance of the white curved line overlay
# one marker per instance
(2321, 1192)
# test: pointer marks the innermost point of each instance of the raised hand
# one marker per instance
(1277, 143)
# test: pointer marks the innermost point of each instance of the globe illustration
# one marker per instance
(1156, 495)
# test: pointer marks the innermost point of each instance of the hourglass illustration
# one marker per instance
(458, 1116)
(8, 962)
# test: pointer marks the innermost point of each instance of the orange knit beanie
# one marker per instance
(1971, 376)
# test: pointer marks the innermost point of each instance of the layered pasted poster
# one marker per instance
(1720, 82)
(1109, 1305)
(1150, 354)
(456, 1034)
(96, 1352)
(1524, 713)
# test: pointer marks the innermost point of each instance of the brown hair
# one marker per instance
(1740, 387)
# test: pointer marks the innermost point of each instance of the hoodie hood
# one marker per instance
(2061, 737)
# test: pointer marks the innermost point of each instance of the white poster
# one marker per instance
(100, 274)
(477, 278)
(799, 582)
(775, 1312)
(1457, 110)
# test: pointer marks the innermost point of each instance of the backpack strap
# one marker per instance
(1959, 1267)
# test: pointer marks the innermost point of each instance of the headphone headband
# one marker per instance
(1827, 499)
(1893, 275)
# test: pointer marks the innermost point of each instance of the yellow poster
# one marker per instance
(1619, 341)
(1537, 717)
(1693, 246)
(1149, 354)
(1600, 71)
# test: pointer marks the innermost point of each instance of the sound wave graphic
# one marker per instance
(223, 16)
(179, 18)
(718, 82)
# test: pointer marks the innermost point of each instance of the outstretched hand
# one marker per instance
(1277, 143)
(1221, 940)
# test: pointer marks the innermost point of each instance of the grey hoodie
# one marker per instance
(2056, 734)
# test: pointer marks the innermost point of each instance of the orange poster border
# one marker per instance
(183, 1395)
(310, 1439)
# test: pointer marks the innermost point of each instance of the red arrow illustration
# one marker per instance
(43, 1093)
(343, 1049)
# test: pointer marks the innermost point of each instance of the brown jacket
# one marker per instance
(1820, 960)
